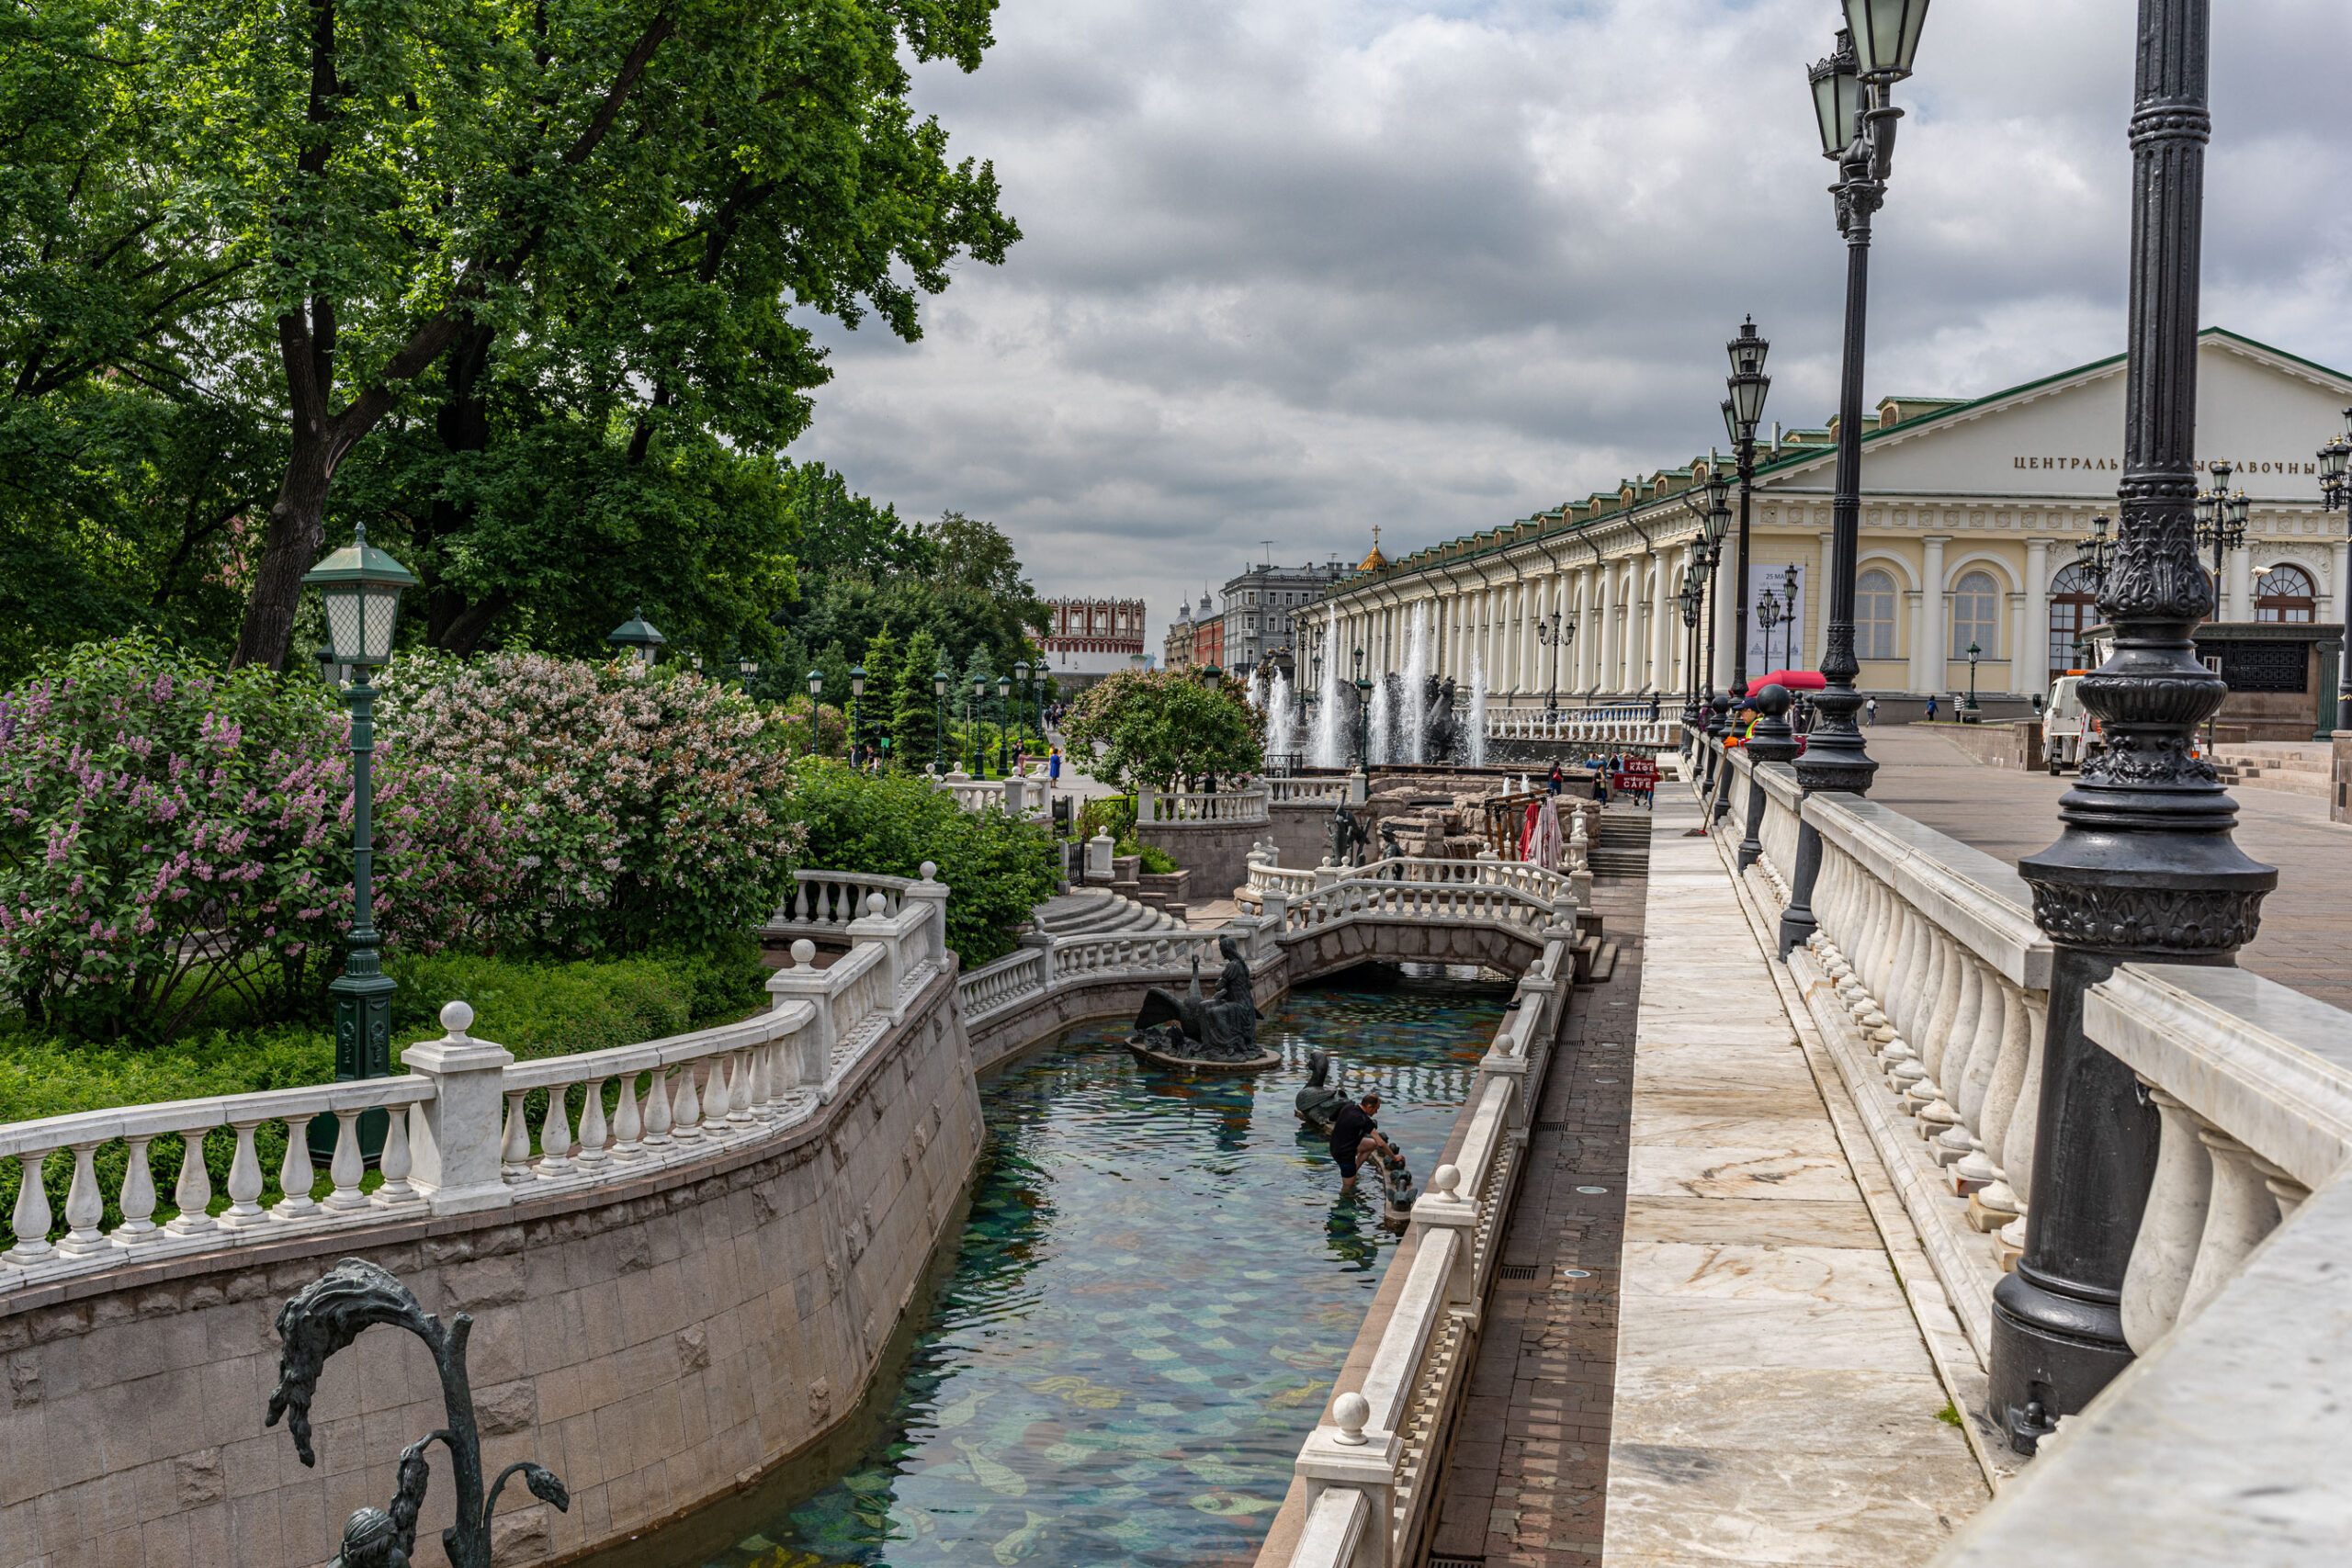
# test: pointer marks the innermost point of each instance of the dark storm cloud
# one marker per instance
(1292, 271)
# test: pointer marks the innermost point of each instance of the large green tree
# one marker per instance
(1161, 728)
(506, 230)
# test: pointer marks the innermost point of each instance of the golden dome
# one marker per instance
(1375, 560)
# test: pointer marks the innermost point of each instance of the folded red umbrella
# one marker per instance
(1795, 680)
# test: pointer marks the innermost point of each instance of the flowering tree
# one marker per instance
(169, 832)
(639, 807)
(1162, 729)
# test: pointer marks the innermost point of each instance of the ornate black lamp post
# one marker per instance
(1768, 615)
(2145, 867)
(2333, 459)
(1851, 90)
(1789, 611)
(1026, 678)
(2092, 553)
(362, 588)
(1742, 412)
(1712, 525)
(1363, 716)
(1974, 653)
(1693, 595)
(2221, 526)
(1554, 631)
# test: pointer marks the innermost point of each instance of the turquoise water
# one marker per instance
(1157, 1279)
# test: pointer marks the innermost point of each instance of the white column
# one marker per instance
(2339, 579)
(2030, 665)
(2239, 573)
(1663, 623)
(1928, 655)
(1604, 672)
(1723, 592)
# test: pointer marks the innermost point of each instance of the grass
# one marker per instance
(1949, 1415)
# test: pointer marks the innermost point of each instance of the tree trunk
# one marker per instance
(297, 529)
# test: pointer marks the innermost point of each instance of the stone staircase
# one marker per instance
(1095, 911)
(1622, 847)
(2297, 767)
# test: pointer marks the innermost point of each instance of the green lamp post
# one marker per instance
(1974, 653)
(976, 755)
(636, 636)
(939, 682)
(1022, 679)
(857, 697)
(1003, 741)
(362, 588)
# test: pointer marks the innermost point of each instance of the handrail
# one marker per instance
(1155, 807)
(467, 1117)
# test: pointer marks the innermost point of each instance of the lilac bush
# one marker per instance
(641, 808)
(170, 831)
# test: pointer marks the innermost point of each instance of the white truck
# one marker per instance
(2069, 732)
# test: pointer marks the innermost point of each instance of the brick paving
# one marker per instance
(2306, 924)
(1528, 1474)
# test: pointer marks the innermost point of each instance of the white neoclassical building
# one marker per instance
(1971, 513)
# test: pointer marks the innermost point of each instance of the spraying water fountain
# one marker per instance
(1414, 715)
(1282, 716)
(1475, 752)
(1328, 741)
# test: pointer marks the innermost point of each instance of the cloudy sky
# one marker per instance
(1295, 268)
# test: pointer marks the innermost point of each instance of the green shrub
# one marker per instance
(997, 869)
(1157, 861)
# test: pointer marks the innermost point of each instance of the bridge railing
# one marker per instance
(2225, 1441)
(1200, 806)
(824, 903)
(1551, 886)
(1306, 791)
(469, 1126)
(1632, 724)
(1368, 1466)
(1435, 903)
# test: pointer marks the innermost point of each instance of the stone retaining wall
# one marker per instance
(2013, 745)
(1008, 1033)
(655, 1345)
(1216, 853)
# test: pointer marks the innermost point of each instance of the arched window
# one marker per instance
(2283, 594)
(2074, 608)
(1874, 615)
(1976, 615)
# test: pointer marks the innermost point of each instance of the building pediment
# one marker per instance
(2060, 438)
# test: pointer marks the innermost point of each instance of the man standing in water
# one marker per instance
(1355, 1135)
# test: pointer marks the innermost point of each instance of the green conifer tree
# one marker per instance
(914, 720)
(876, 709)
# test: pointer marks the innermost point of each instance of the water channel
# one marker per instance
(1141, 1321)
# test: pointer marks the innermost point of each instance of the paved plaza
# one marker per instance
(2306, 924)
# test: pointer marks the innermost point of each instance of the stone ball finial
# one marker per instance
(928, 870)
(875, 904)
(1350, 1412)
(804, 953)
(1445, 1178)
(457, 1017)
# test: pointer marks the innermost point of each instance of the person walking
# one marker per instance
(1931, 708)
(1869, 711)
(1553, 783)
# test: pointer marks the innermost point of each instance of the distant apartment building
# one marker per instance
(1259, 606)
(1092, 637)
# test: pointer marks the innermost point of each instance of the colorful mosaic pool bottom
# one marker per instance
(1159, 1277)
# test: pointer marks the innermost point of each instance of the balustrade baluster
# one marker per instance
(514, 1151)
(349, 1166)
(193, 1192)
(1994, 1195)
(591, 1126)
(739, 1087)
(245, 1208)
(2239, 1213)
(2284, 1189)
(1941, 1116)
(85, 1205)
(555, 1134)
(629, 1126)
(1976, 1077)
(394, 1163)
(296, 1175)
(138, 1200)
(30, 1220)
(685, 1108)
(2165, 1253)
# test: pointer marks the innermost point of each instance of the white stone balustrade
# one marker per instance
(1426, 903)
(2224, 1442)
(1196, 806)
(1632, 724)
(824, 903)
(471, 1127)
(1526, 876)
(1367, 1468)
(1306, 791)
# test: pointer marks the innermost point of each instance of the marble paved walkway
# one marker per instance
(1774, 1401)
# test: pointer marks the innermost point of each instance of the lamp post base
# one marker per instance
(363, 1049)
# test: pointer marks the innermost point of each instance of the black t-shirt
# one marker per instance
(1348, 1130)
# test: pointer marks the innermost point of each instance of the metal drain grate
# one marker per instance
(1457, 1562)
(1551, 1126)
(1519, 1271)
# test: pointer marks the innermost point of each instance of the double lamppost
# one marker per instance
(362, 587)
(1851, 98)
(2221, 527)
(1554, 631)
(1743, 412)
(2145, 868)
(2336, 495)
